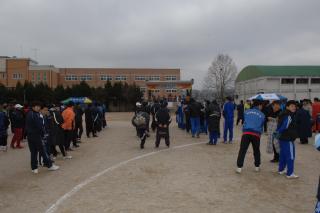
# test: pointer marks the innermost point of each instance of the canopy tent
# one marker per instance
(268, 96)
(80, 100)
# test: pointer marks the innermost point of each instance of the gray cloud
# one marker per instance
(149, 33)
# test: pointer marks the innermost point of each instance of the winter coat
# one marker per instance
(4, 124)
(287, 127)
(304, 123)
(57, 134)
(213, 114)
(195, 109)
(18, 120)
(68, 117)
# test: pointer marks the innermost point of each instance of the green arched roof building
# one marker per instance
(256, 71)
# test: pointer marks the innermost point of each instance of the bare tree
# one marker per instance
(221, 76)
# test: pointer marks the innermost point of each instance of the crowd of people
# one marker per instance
(283, 122)
(49, 126)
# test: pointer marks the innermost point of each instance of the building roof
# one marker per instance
(256, 71)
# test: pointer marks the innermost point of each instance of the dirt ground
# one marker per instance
(195, 178)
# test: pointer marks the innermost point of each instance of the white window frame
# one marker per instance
(140, 78)
(154, 78)
(171, 78)
(121, 78)
(106, 78)
(16, 76)
(71, 77)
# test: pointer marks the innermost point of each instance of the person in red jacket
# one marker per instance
(316, 115)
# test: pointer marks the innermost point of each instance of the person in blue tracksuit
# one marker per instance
(228, 114)
(252, 129)
(287, 134)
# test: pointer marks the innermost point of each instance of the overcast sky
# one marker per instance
(184, 34)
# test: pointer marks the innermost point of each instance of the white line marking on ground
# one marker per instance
(75, 189)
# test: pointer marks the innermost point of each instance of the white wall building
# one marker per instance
(293, 82)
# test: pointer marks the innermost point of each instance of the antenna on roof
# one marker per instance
(35, 53)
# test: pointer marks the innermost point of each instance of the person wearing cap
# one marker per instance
(18, 124)
(163, 119)
(142, 129)
(287, 133)
(68, 125)
(252, 129)
(4, 125)
(35, 133)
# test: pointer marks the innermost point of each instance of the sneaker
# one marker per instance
(239, 170)
(53, 168)
(282, 172)
(230, 142)
(274, 161)
(257, 169)
(293, 176)
(209, 143)
(35, 171)
(67, 157)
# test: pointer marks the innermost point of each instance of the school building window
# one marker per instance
(171, 78)
(315, 80)
(155, 90)
(287, 81)
(71, 78)
(302, 81)
(38, 76)
(121, 78)
(143, 89)
(85, 78)
(154, 78)
(44, 76)
(105, 78)
(140, 78)
(171, 90)
(17, 76)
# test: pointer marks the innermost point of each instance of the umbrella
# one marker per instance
(80, 100)
(267, 96)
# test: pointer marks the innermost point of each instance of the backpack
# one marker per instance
(139, 120)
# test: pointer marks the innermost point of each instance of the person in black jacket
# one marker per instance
(142, 128)
(304, 123)
(195, 110)
(89, 121)
(163, 120)
(213, 113)
(287, 134)
(4, 125)
(78, 122)
(240, 110)
(35, 133)
(57, 133)
(18, 123)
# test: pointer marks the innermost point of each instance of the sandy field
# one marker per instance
(111, 174)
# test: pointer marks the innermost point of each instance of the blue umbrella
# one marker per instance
(267, 96)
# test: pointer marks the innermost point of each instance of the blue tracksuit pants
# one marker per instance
(195, 125)
(287, 156)
(317, 209)
(228, 126)
(213, 137)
